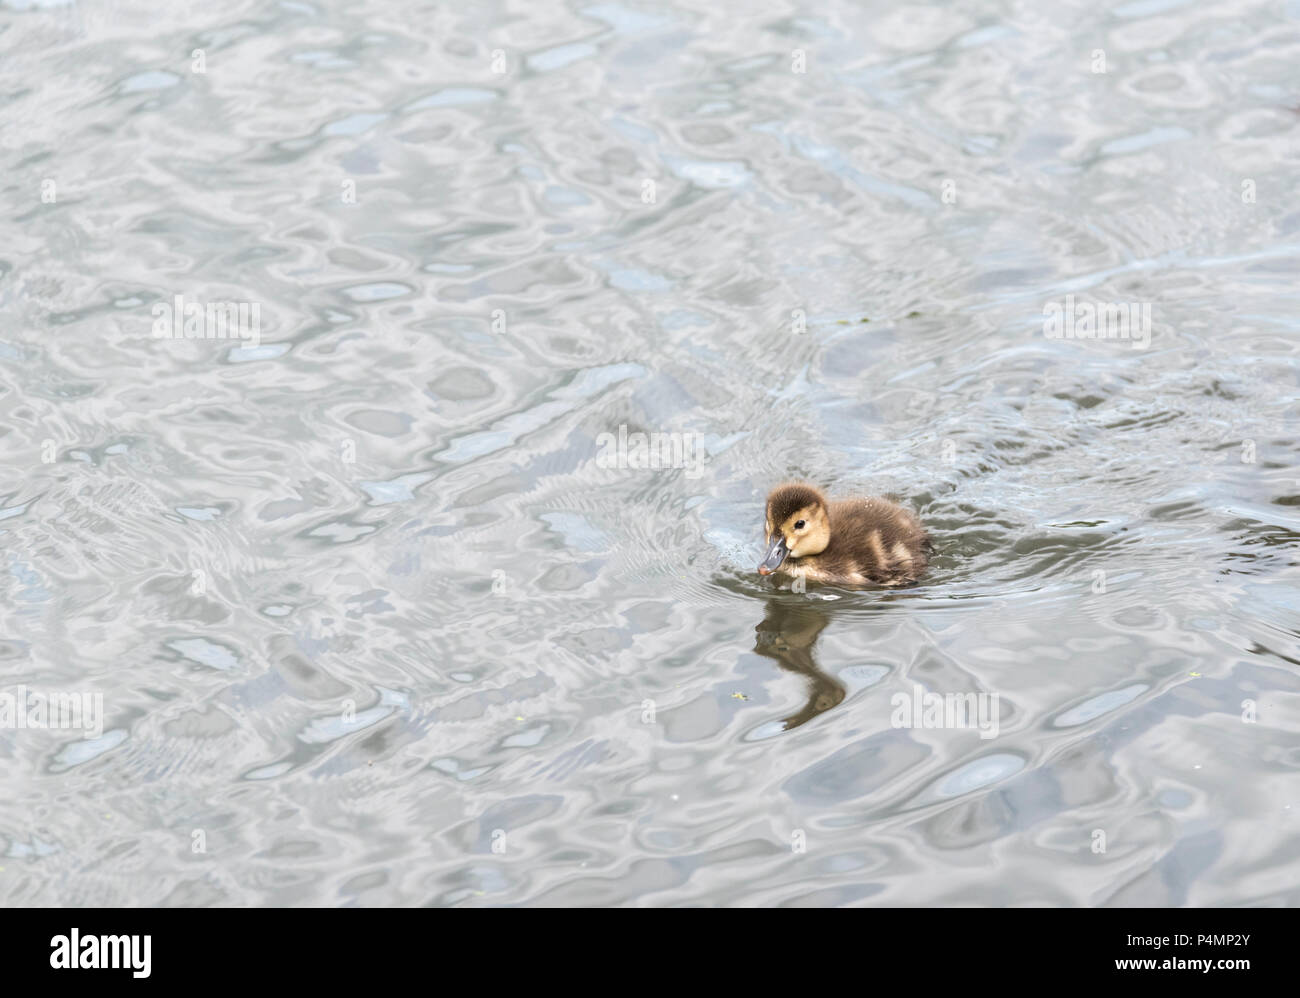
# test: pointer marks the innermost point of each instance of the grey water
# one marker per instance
(371, 596)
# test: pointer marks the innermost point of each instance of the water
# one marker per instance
(372, 621)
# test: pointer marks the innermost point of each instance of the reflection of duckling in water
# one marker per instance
(788, 634)
(848, 543)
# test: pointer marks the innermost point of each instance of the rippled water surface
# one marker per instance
(375, 622)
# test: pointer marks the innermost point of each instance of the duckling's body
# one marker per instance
(851, 542)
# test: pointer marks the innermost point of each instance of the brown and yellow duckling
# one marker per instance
(851, 542)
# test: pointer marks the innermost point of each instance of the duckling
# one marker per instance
(851, 542)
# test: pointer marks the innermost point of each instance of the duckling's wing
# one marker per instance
(870, 532)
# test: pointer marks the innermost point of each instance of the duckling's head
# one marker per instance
(797, 525)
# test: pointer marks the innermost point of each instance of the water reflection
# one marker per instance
(788, 633)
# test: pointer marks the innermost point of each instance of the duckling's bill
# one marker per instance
(776, 554)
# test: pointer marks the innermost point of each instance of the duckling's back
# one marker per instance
(876, 539)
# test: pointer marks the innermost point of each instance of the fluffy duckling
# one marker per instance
(852, 542)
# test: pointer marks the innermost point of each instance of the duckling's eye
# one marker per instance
(799, 525)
